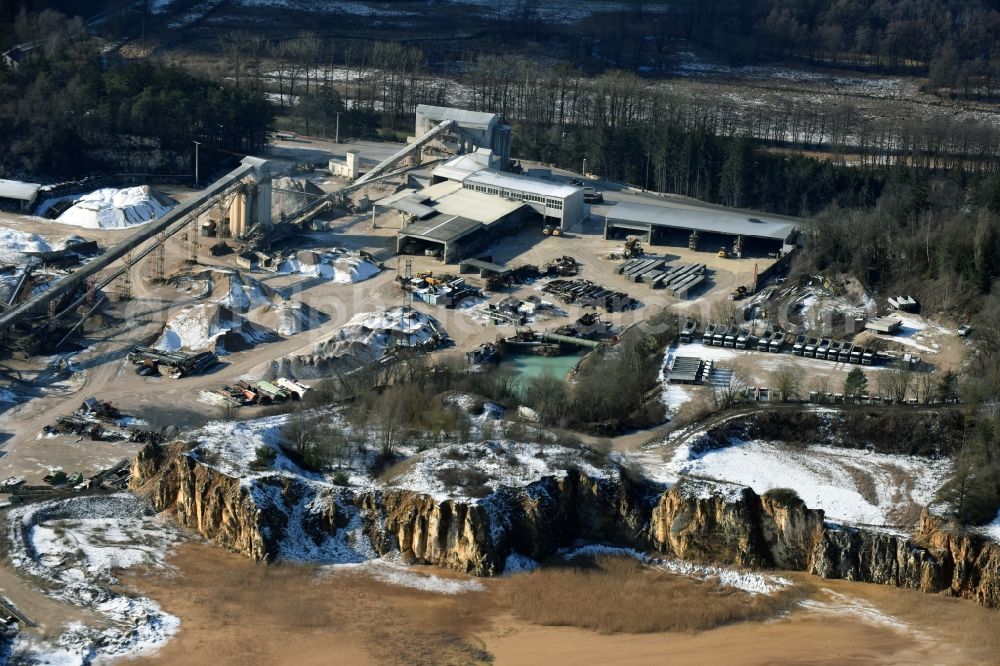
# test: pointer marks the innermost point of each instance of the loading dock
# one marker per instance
(683, 224)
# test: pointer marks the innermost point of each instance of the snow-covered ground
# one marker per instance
(334, 265)
(552, 11)
(329, 6)
(747, 581)
(674, 396)
(850, 485)
(992, 530)
(497, 464)
(394, 573)
(75, 545)
(111, 208)
(690, 65)
(471, 471)
(489, 458)
(860, 609)
(917, 333)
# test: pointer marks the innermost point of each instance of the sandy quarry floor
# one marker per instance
(234, 612)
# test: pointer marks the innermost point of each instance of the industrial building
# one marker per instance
(451, 222)
(698, 226)
(557, 202)
(15, 195)
(470, 130)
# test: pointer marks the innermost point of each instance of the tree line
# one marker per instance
(70, 109)
(627, 128)
(881, 35)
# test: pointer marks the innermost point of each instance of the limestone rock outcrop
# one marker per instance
(723, 523)
(695, 519)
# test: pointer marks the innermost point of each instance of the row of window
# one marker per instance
(557, 204)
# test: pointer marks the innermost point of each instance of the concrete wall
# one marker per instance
(572, 211)
(350, 168)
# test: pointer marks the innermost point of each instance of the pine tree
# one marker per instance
(856, 383)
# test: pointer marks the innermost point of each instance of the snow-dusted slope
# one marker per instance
(850, 485)
(76, 546)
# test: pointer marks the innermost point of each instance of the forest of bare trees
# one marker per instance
(563, 116)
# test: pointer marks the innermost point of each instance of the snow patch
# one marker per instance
(517, 563)
(824, 477)
(76, 545)
(14, 244)
(394, 573)
(748, 581)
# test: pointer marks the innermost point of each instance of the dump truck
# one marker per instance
(798, 348)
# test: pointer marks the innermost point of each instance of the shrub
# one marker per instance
(455, 453)
(785, 496)
(264, 457)
(471, 482)
(341, 478)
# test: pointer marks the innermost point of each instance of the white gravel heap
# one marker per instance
(13, 245)
(334, 265)
(111, 208)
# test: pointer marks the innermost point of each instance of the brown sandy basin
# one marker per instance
(235, 612)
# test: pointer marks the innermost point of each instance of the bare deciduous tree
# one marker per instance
(788, 381)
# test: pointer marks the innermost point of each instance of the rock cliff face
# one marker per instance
(254, 516)
(449, 533)
(871, 556)
(970, 563)
(213, 504)
(696, 520)
(729, 524)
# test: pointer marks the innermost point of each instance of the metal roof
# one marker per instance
(485, 208)
(15, 189)
(442, 229)
(461, 167)
(460, 116)
(700, 218)
(522, 184)
(448, 198)
(414, 205)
